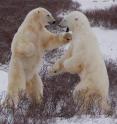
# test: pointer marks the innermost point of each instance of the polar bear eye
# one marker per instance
(48, 15)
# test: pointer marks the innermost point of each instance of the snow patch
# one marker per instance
(95, 4)
(107, 41)
(3, 81)
(87, 120)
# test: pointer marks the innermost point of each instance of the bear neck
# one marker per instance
(34, 23)
(82, 31)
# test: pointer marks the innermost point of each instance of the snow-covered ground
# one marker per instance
(87, 120)
(108, 42)
(96, 4)
(3, 80)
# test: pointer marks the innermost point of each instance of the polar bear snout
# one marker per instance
(51, 19)
(52, 22)
(67, 29)
(63, 24)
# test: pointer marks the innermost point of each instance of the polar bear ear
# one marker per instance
(76, 19)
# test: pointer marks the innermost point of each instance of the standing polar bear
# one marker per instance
(28, 46)
(84, 57)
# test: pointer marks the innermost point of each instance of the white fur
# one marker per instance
(84, 57)
(28, 46)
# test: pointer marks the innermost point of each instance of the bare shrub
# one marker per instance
(58, 99)
(103, 17)
(112, 72)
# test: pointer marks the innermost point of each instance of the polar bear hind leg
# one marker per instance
(16, 81)
(87, 99)
(35, 88)
(105, 105)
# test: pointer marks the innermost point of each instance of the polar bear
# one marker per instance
(28, 46)
(84, 57)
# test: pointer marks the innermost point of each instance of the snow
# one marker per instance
(3, 80)
(108, 42)
(92, 5)
(95, 4)
(87, 120)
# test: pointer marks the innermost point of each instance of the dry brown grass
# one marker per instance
(106, 17)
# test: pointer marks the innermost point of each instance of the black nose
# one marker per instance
(67, 30)
(53, 22)
(59, 25)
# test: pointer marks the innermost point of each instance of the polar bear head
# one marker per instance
(75, 21)
(40, 16)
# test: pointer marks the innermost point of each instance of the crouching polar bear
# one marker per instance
(28, 46)
(84, 57)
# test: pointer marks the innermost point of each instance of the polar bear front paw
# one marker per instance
(53, 71)
(67, 37)
(38, 99)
